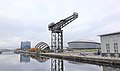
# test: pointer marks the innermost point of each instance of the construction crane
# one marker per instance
(57, 32)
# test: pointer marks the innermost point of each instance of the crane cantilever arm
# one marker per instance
(62, 23)
(69, 19)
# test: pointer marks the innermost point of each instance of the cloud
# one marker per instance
(28, 19)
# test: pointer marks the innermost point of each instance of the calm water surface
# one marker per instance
(21, 62)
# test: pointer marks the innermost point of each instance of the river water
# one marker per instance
(22, 62)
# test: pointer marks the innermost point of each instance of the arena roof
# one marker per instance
(83, 42)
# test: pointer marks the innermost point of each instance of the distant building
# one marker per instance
(83, 45)
(110, 44)
(25, 45)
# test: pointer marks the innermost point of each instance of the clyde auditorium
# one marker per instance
(83, 45)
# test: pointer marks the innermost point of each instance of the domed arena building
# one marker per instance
(83, 45)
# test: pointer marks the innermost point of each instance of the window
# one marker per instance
(108, 48)
(108, 51)
(116, 47)
(116, 51)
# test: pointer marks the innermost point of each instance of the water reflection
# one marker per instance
(39, 58)
(103, 68)
(40, 63)
(110, 69)
(73, 62)
(57, 65)
(24, 58)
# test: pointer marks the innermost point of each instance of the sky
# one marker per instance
(28, 20)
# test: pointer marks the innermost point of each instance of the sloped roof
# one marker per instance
(110, 34)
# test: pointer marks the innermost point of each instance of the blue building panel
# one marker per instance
(25, 45)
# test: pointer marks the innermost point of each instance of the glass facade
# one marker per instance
(25, 45)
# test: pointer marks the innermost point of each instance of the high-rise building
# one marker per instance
(25, 45)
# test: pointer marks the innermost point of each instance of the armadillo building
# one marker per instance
(83, 45)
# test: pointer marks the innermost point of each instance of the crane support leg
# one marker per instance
(57, 40)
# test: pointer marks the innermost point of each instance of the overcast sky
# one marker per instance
(22, 20)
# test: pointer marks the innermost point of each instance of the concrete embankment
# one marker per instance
(104, 61)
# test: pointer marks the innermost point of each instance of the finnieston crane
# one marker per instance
(57, 32)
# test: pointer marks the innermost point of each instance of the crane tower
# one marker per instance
(57, 32)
